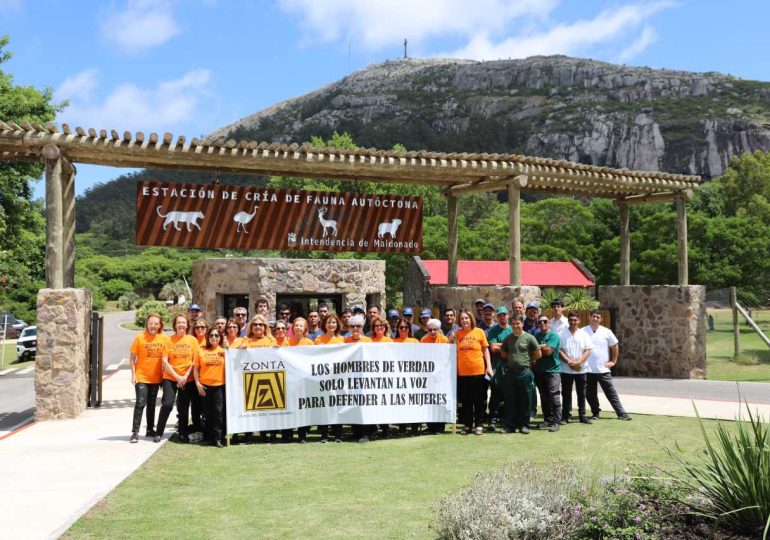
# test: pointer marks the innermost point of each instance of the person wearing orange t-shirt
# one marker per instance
(331, 326)
(404, 332)
(300, 333)
(258, 335)
(209, 376)
(380, 330)
(434, 335)
(181, 356)
(473, 363)
(232, 334)
(190, 399)
(281, 333)
(149, 351)
(362, 432)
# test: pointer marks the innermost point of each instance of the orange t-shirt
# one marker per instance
(440, 338)
(323, 339)
(470, 355)
(383, 339)
(283, 343)
(302, 341)
(211, 366)
(201, 340)
(181, 354)
(256, 343)
(364, 339)
(405, 340)
(149, 351)
(236, 343)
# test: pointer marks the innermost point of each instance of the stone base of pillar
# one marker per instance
(463, 297)
(661, 328)
(61, 365)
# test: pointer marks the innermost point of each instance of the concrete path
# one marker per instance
(54, 472)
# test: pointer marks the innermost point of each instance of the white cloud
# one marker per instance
(141, 25)
(165, 107)
(375, 24)
(574, 38)
(644, 40)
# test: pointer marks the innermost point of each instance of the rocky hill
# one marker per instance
(571, 108)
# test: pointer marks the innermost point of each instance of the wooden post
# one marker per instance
(736, 329)
(452, 240)
(68, 221)
(54, 255)
(514, 229)
(681, 227)
(625, 246)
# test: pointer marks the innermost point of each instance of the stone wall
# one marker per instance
(353, 279)
(61, 364)
(661, 328)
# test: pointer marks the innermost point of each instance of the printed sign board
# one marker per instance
(289, 387)
(236, 217)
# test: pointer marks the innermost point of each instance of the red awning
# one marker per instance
(542, 274)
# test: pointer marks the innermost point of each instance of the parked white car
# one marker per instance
(26, 345)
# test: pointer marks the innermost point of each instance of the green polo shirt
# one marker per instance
(519, 348)
(549, 363)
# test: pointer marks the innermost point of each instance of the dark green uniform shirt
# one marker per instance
(549, 363)
(519, 349)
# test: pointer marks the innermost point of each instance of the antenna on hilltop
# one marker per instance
(405, 55)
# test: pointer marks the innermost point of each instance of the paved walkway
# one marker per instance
(54, 472)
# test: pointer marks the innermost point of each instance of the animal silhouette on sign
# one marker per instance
(327, 223)
(389, 227)
(190, 219)
(243, 218)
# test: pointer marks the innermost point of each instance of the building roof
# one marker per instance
(456, 172)
(542, 274)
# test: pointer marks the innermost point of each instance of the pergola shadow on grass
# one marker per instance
(385, 489)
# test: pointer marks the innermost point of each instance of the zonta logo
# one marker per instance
(265, 390)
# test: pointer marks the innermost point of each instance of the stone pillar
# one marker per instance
(61, 364)
(661, 329)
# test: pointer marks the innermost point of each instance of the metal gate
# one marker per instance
(96, 360)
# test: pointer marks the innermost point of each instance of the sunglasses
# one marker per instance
(356, 326)
(282, 328)
(542, 322)
(200, 327)
(240, 314)
(258, 324)
(214, 336)
(232, 326)
(403, 328)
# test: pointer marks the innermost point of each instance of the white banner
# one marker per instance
(289, 387)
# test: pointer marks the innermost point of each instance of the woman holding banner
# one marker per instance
(434, 335)
(300, 329)
(380, 330)
(149, 351)
(331, 326)
(281, 339)
(259, 334)
(181, 356)
(404, 332)
(473, 364)
(209, 376)
(232, 338)
(356, 325)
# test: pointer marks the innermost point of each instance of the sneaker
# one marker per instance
(364, 439)
(524, 430)
(149, 433)
(585, 420)
(219, 444)
(465, 431)
(479, 431)
(595, 416)
(338, 440)
(303, 441)
(324, 441)
(491, 427)
(184, 439)
(134, 437)
(624, 417)
(156, 439)
(553, 428)
(563, 422)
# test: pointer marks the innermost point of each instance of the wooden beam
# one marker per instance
(514, 232)
(625, 246)
(54, 262)
(681, 229)
(491, 184)
(452, 240)
(664, 196)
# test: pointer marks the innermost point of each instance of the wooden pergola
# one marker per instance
(457, 174)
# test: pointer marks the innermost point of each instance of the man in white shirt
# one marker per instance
(575, 349)
(604, 356)
(558, 322)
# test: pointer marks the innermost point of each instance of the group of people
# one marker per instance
(502, 356)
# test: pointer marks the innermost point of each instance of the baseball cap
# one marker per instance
(533, 305)
(426, 313)
(488, 305)
(479, 301)
(502, 309)
(408, 312)
(359, 309)
(393, 313)
(194, 307)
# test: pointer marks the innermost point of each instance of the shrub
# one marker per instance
(579, 299)
(732, 475)
(115, 288)
(127, 302)
(152, 306)
(521, 501)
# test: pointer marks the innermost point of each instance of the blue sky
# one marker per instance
(192, 66)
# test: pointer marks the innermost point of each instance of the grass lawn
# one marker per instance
(720, 348)
(9, 350)
(384, 489)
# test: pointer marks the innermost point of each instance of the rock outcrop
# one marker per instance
(569, 108)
